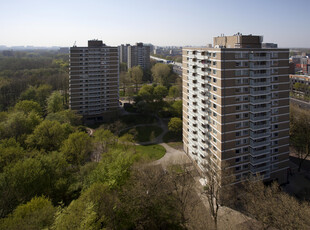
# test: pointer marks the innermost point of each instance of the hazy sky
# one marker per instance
(160, 22)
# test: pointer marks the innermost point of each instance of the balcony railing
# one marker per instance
(260, 108)
(259, 100)
(259, 57)
(256, 160)
(259, 92)
(258, 118)
(254, 135)
(256, 144)
(254, 83)
(259, 126)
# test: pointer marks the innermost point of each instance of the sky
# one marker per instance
(160, 22)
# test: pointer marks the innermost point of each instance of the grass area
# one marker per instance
(149, 152)
(173, 140)
(144, 133)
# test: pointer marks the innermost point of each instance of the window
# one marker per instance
(214, 54)
(238, 82)
(237, 90)
(245, 141)
(214, 80)
(214, 114)
(214, 63)
(214, 71)
(238, 116)
(238, 125)
(237, 159)
(214, 88)
(237, 151)
(214, 97)
(238, 63)
(238, 107)
(245, 132)
(238, 168)
(245, 166)
(214, 106)
(238, 134)
(245, 150)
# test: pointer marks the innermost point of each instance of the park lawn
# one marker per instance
(144, 133)
(149, 152)
(173, 140)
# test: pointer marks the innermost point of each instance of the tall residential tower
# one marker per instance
(236, 107)
(93, 81)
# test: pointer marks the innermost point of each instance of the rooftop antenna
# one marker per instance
(74, 45)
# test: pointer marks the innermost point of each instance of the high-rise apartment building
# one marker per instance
(236, 107)
(123, 53)
(93, 81)
(139, 55)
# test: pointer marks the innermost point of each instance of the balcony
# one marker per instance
(259, 117)
(260, 108)
(260, 99)
(255, 82)
(259, 65)
(259, 151)
(260, 142)
(258, 74)
(259, 160)
(259, 168)
(261, 133)
(260, 91)
(260, 56)
(260, 125)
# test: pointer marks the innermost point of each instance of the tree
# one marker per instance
(66, 116)
(218, 189)
(160, 92)
(174, 92)
(177, 108)
(272, 207)
(160, 73)
(104, 138)
(49, 135)
(175, 125)
(124, 81)
(38, 213)
(300, 133)
(11, 152)
(146, 93)
(19, 125)
(77, 148)
(136, 75)
(27, 106)
(55, 102)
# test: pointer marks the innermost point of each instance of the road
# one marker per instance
(301, 103)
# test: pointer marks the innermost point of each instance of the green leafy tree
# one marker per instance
(19, 125)
(175, 125)
(146, 93)
(66, 116)
(27, 106)
(177, 108)
(160, 92)
(160, 73)
(124, 81)
(174, 92)
(11, 152)
(77, 148)
(38, 213)
(136, 75)
(49, 135)
(104, 138)
(55, 102)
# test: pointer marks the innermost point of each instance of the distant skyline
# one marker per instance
(163, 23)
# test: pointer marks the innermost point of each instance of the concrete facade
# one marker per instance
(94, 81)
(236, 107)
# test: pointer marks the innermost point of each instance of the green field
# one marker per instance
(149, 152)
